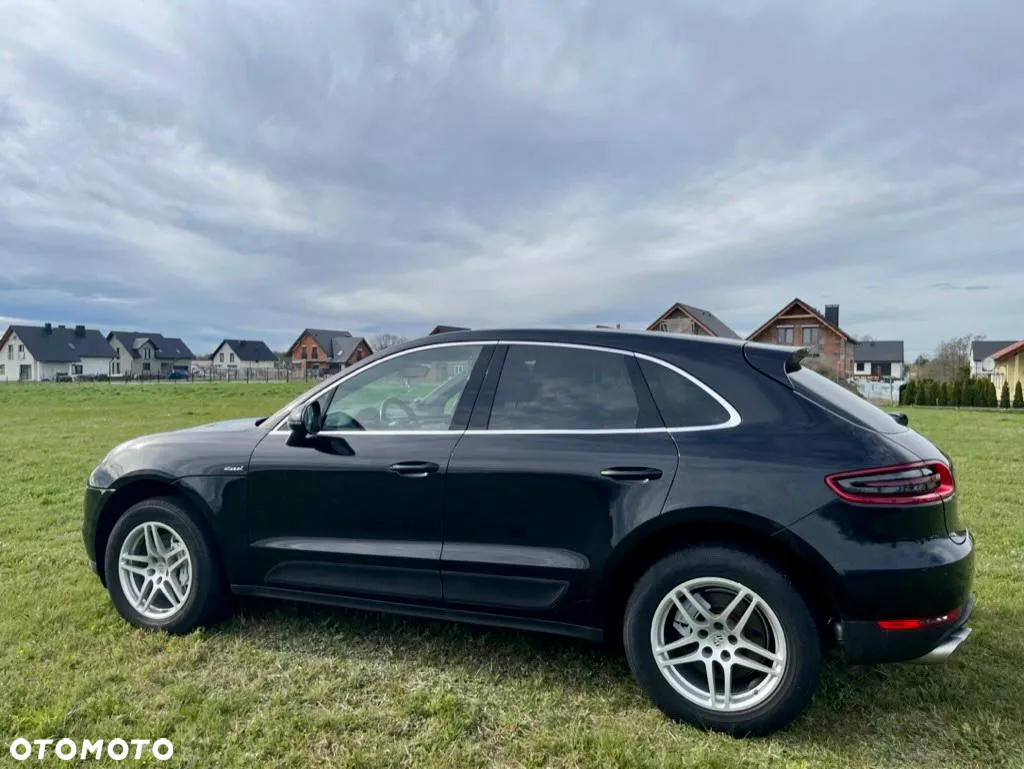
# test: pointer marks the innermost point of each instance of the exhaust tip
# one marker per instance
(946, 649)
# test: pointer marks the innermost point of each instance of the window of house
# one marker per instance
(302, 352)
(314, 355)
(810, 336)
(10, 352)
(147, 353)
(76, 368)
(145, 366)
(785, 334)
(682, 403)
(222, 357)
(416, 392)
(2, 370)
(21, 348)
(564, 388)
(231, 358)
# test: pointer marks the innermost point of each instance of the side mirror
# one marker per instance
(900, 417)
(305, 420)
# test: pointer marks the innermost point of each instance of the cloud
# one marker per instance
(224, 168)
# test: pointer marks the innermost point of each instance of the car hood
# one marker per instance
(218, 448)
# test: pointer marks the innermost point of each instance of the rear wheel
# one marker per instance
(723, 640)
(162, 572)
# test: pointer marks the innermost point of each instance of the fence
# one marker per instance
(195, 376)
(883, 392)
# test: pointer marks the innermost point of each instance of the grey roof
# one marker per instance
(981, 349)
(61, 345)
(878, 352)
(167, 347)
(251, 350)
(708, 319)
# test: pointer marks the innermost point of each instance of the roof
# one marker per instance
(981, 349)
(337, 346)
(167, 347)
(705, 317)
(446, 329)
(252, 350)
(878, 352)
(811, 310)
(1011, 349)
(60, 344)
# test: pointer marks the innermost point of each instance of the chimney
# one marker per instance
(832, 314)
(80, 331)
(48, 328)
(61, 326)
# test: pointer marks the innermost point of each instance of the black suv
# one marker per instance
(725, 511)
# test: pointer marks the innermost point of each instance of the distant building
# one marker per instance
(446, 330)
(879, 360)
(801, 325)
(319, 349)
(982, 356)
(242, 354)
(687, 319)
(144, 352)
(47, 352)
(1009, 367)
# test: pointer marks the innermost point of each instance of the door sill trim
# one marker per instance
(424, 611)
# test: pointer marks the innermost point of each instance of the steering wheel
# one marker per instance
(392, 400)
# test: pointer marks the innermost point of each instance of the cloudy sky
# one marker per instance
(214, 168)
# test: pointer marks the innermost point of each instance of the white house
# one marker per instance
(878, 360)
(141, 352)
(982, 351)
(239, 355)
(41, 353)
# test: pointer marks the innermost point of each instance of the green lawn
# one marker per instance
(295, 686)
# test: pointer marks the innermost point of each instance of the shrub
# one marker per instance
(944, 394)
(1018, 397)
(921, 397)
(1004, 397)
(909, 393)
(957, 395)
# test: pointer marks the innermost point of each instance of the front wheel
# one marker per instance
(721, 639)
(161, 570)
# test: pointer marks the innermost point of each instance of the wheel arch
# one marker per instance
(137, 489)
(676, 530)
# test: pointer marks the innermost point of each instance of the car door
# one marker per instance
(565, 455)
(357, 508)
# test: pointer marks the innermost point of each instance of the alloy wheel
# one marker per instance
(155, 570)
(719, 644)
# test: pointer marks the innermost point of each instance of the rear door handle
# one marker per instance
(414, 469)
(632, 473)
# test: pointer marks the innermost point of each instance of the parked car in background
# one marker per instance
(724, 511)
(178, 374)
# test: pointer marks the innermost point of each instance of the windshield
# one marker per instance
(838, 399)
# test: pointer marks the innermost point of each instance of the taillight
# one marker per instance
(919, 622)
(912, 484)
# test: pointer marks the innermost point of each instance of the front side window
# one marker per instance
(232, 357)
(785, 334)
(810, 336)
(416, 391)
(564, 388)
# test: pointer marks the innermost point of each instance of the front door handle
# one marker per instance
(632, 473)
(414, 469)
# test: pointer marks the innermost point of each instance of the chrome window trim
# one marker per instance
(733, 421)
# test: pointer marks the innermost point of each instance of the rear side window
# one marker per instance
(564, 388)
(837, 398)
(682, 403)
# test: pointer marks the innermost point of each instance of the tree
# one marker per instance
(1004, 397)
(924, 393)
(384, 341)
(993, 396)
(957, 396)
(909, 393)
(952, 359)
(944, 394)
(1018, 397)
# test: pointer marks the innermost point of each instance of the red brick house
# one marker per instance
(799, 324)
(319, 349)
(687, 319)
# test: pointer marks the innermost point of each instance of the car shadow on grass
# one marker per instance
(966, 704)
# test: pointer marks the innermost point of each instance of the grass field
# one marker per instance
(294, 686)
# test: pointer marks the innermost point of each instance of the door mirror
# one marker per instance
(305, 420)
(900, 417)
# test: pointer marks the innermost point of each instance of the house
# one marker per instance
(878, 360)
(138, 353)
(446, 330)
(687, 319)
(40, 353)
(982, 356)
(318, 348)
(1009, 367)
(801, 325)
(241, 355)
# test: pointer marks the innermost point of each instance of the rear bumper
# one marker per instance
(865, 643)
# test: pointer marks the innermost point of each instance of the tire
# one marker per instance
(776, 619)
(181, 594)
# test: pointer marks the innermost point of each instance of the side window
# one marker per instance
(564, 388)
(416, 391)
(681, 402)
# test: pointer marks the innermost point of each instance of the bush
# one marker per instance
(909, 393)
(957, 396)
(1004, 397)
(993, 396)
(1018, 397)
(921, 396)
(944, 394)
